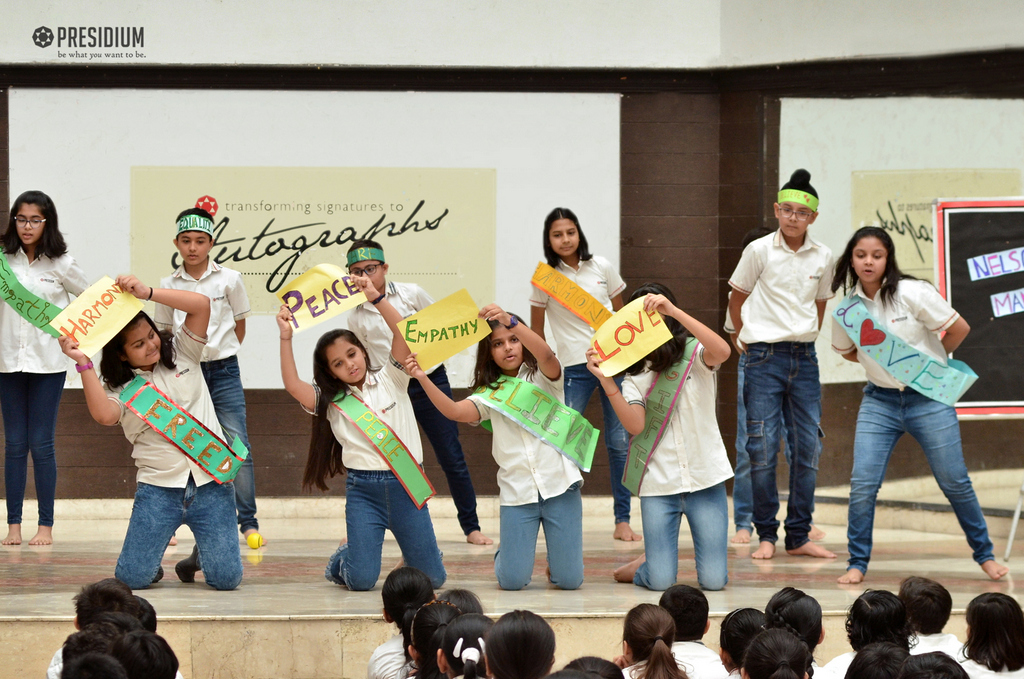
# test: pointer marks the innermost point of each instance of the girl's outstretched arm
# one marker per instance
(631, 415)
(716, 349)
(195, 305)
(399, 347)
(102, 409)
(301, 391)
(537, 320)
(458, 411)
(546, 360)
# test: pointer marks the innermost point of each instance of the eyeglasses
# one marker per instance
(33, 223)
(801, 215)
(367, 270)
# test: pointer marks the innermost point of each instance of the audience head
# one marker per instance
(928, 604)
(427, 630)
(647, 633)
(935, 665)
(107, 595)
(596, 668)
(145, 655)
(122, 621)
(995, 632)
(880, 660)
(147, 614)
(404, 591)
(738, 629)
(689, 610)
(465, 600)
(521, 645)
(776, 654)
(95, 638)
(877, 615)
(93, 666)
(462, 646)
(572, 674)
(790, 609)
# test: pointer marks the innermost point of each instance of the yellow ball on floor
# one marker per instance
(255, 540)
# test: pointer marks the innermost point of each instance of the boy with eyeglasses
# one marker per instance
(366, 258)
(780, 288)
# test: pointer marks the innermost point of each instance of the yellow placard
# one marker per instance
(628, 336)
(571, 296)
(322, 292)
(97, 315)
(444, 329)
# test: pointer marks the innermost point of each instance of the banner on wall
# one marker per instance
(436, 225)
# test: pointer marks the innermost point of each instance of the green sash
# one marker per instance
(33, 309)
(942, 383)
(661, 400)
(390, 448)
(536, 411)
(188, 434)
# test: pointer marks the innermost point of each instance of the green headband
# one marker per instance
(195, 223)
(797, 196)
(365, 254)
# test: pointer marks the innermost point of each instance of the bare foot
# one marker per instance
(742, 537)
(626, 573)
(343, 541)
(811, 549)
(765, 551)
(851, 577)
(994, 570)
(263, 540)
(173, 542)
(625, 533)
(816, 534)
(43, 536)
(13, 534)
(478, 538)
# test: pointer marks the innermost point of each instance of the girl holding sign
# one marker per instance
(887, 309)
(37, 276)
(364, 424)
(678, 442)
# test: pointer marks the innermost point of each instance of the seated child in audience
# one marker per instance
(739, 628)
(876, 615)
(995, 637)
(647, 634)
(928, 607)
(404, 591)
(427, 632)
(880, 660)
(934, 665)
(596, 668)
(465, 600)
(462, 647)
(689, 610)
(777, 654)
(94, 666)
(145, 655)
(147, 614)
(799, 613)
(107, 595)
(521, 645)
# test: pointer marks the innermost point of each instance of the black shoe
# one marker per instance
(186, 568)
(159, 575)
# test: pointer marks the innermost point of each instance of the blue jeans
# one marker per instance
(225, 385)
(580, 383)
(885, 415)
(443, 435)
(29, 402)
(781, 389)
(209, 511)
(707, 512)
(562, 517)
(375, 501)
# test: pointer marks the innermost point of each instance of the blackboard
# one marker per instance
(980, 248)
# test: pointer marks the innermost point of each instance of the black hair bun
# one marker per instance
(800, 181)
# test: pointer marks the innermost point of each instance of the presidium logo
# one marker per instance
(95, 37)
(42, 36)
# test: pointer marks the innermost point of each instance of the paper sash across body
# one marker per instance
(27, 304)
(543, 416)
(661, 401)
(189, 435)
(916, 369)
(390, 448)
(578, 301)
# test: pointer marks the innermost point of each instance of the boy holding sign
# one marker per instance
(366, 258)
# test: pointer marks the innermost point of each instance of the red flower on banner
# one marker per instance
(208, 203)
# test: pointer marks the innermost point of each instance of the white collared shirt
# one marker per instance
(24, 347)
(916, 314)
(387, 660)
(976, 671)
(691, 455)
(160, 462)
(836, 667)
(571, 335)
(946, 643)
(371, 328)
(527, 466)
(783, 287)
(698, 661)
(228, 303)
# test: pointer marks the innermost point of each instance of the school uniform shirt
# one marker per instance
(572, 335)
(691, 455)
(946, 643)
(698, 661)
(160, 462)
(385, 392)
(917, 314)
(387, 660)
(527, 467)
(228, 303)
(371, 328)
(783, 287)
(976, 671)
(836, 667)
(24, 347)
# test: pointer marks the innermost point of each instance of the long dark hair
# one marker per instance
(669, 353)
(486, 373)
(521, 645)
(324, 457)
(845, 277)
(466, 634)
(777, 654)
(51, 243)
(404, 591)
(115, 370)
(427, 632)
(738, 629)
(549, 253)
(797, 612)
(995, 632)
(877, 615)
(649, 630)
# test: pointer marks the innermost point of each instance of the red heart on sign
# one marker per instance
(870, 335)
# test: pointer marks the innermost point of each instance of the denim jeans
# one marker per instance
(781, 389)
(562, 518)
(885, 415)
(225, 385)
(375, 501)
(580, 383)
(29, 402)
(443, 435)
(208, 510)
(707, 513)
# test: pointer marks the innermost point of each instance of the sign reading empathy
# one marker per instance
(444, 329)
(97, 315)
(33, 309)
(571, 296)
(628, 336)
(322, 292)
